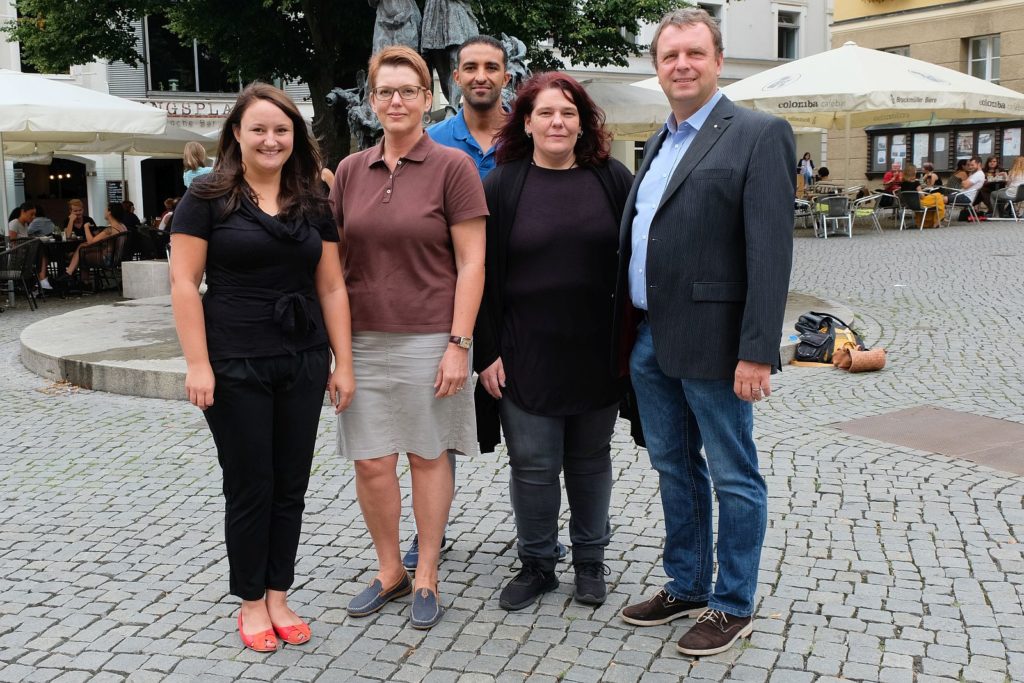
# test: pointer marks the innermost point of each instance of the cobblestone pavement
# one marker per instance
(881, 563)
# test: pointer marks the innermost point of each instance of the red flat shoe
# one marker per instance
(264, 641)
(293, 635)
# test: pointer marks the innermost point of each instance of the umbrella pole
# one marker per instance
(3, 204)
(848, 152)
(124, 181)
(3, 182)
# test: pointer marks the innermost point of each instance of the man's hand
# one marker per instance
(752, 381)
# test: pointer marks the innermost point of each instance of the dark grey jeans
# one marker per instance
(541, 447)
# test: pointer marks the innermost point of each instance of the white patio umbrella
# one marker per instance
(630, 113)
(167, 145)
(48, 113)
(853, 86)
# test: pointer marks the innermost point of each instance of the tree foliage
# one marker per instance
(322, 42)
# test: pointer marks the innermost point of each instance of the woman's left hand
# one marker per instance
(341, 387)
(452, 373)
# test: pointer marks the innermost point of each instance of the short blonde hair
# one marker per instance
(75, 204)
(195, 155)
(399, 55)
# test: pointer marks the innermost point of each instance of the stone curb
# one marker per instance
(131, 348)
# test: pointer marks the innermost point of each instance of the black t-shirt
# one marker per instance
(261, 296)
(80, 231)
(556, 329)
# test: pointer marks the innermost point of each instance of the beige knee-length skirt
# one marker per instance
(394, 409)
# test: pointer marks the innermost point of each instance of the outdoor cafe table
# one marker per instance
(58, 253)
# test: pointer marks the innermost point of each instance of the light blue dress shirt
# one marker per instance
(676, 141)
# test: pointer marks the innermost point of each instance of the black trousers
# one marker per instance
(264, 420)
(541, 447)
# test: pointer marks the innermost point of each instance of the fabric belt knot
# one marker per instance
(292, 314)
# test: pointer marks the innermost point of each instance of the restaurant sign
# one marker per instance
(193, 109)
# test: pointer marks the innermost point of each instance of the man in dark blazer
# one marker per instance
(705, 255)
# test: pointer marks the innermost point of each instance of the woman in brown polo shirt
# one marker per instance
(411, 214)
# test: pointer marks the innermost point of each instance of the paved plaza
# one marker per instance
(881, 563)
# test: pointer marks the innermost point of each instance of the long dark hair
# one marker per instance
(301, 190)
(593, 149)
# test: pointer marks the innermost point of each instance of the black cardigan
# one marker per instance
(503, 188)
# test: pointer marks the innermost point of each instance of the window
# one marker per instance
(939, 153)
(177, 66)
(789, 32)
(880, 157)
(1011, 146)
(983, 57)
(902, 50)
(714, 10)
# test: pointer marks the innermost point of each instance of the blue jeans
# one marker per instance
(679, 416)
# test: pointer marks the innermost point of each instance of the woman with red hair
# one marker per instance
(545, 328)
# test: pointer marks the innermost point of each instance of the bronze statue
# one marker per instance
(515, 65)
(446, 25)
(398, 23)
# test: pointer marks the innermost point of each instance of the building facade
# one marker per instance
(197, 93)
(195, 90)
(756, 35)
(984, 38)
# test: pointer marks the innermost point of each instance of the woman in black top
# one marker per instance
(543, 336)
(256, 344)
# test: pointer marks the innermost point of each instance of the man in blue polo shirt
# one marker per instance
(481, 75)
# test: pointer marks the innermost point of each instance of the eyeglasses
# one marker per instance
(406, 92)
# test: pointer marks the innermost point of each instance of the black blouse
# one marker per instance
(260, 275)
(556, 327)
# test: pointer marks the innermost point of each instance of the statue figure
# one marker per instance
(362, 122)
(446, 25)
(515, 66)
(398, 23)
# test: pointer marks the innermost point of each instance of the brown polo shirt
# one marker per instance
(399, 261)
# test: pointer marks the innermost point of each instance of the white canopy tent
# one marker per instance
(47, 114)
(630, 113)
(853, 86)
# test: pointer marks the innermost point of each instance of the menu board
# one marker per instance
(115, 191)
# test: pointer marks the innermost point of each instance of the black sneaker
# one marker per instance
(523, 590)
(661, 609)
(590, 586)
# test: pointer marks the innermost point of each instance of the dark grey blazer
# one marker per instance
(720, 247)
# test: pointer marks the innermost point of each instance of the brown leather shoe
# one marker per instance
(714, 632)
(660, 609)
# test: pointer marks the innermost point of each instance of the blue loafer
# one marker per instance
(426, 609)
(375, 597)
(412, 556)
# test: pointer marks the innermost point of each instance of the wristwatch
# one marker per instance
(461, 342)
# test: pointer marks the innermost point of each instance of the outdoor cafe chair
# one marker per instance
(868, 207)
(1012, 203)
(961, 200)
(910, 203)
(804, 211)
(837, 208)
(103, 260)
(18, 266)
